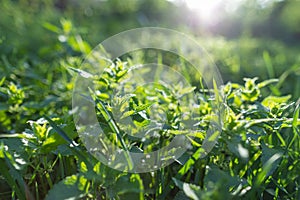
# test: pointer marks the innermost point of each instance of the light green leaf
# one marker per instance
(137, 109)
(267, 82)
(51, 27)
(185, 91)
(2, 81)
(272, 101)
(296, 116)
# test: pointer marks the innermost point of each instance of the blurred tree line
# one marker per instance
(271, 19)
(278, 19)
(257, 38)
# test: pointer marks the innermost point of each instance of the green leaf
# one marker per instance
(185, 91)
(72, 187)
(189, 190)
(51, 143)
(60, 131)
(128, 113)
(269, 65)
(193, 142)
(12, 175)
(137, 109)
(2, 81)
(181, 196)
(296, 116)
(190, 162)
(272, 101)
(129, 184)
(51, 27)
(126, 98)
(270, 159)
(75, 149)
(66, 25)
(267, 82)
(82, 73)
(238, 149)
(143, 107)
(120, 74)
(218, 96)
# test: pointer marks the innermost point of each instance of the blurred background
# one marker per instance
(245, 38)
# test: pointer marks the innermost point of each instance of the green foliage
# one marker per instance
(41, 155)
(256, 154)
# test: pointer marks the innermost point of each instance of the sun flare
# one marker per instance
(204, 8)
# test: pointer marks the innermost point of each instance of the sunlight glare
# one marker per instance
(204, 8)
